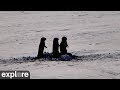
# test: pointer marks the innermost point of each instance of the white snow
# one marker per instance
(88, 33)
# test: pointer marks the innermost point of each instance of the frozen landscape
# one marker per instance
(94, 36)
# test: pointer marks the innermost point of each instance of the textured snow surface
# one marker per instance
(92, 35)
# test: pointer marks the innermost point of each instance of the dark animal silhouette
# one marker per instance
(41, 48)
(63, 46)
(55, 48)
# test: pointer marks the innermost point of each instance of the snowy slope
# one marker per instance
(88, 32)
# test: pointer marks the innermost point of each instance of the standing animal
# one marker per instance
(55, 50)
(41, 48)
(63, 46)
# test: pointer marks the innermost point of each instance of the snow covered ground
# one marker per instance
(92, 35)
